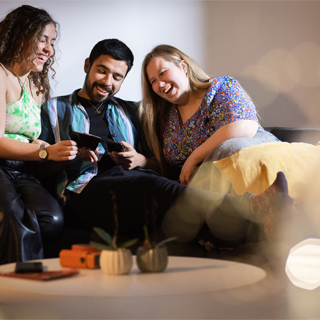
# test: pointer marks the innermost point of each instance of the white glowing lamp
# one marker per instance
(303, 264)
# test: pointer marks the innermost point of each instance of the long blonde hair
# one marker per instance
(154, 110)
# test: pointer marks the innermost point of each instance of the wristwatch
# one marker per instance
(43, 153)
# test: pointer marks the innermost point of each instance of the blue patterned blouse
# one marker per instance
(225, 102)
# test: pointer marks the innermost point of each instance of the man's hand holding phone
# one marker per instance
(129, 158)
(115, 146)
(87, 145)
(87, 155)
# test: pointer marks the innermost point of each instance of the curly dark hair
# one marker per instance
(19, 30)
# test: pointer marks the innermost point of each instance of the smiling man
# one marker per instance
(89, 184)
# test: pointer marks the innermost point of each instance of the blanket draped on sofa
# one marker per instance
(253, 169)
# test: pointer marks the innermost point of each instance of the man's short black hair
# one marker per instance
(114, 48)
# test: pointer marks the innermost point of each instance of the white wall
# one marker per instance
(271, 47)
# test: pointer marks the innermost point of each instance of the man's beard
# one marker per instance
(96, 99)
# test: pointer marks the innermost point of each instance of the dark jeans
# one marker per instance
(29, 215)
(142, 198)
(139, 198)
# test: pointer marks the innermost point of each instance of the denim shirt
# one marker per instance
(62, 115)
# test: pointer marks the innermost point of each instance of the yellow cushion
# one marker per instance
(254, 169)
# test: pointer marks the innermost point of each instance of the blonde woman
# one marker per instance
(187, 114)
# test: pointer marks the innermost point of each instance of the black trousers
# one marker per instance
(141, 198)
(29, 215)
(137, 197)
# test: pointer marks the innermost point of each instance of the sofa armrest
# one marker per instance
(288, 134)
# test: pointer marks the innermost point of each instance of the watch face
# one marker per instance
(43, 153)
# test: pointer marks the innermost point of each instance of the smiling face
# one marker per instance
(37, 56)
(104, 78)
(168, 80)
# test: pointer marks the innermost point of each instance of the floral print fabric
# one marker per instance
(225, 102)
(23, 119)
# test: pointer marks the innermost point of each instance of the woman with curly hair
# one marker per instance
(29, 215)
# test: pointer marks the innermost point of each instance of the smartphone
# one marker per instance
(114, 146)
(85, 140)
(29, 267)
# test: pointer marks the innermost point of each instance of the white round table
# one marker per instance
(92, 294)
(182, 276)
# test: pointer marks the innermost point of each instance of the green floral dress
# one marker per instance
(23, 118)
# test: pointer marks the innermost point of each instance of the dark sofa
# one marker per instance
(76, 232)
(308, 135)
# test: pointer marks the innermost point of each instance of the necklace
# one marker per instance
(19, 77)
(23, 83)
(96, 108)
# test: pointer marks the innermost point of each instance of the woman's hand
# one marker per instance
(129, 159)
(237, 129)
(187, 171)
(62, 151)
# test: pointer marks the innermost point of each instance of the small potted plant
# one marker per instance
(153, 257)
(114, 260)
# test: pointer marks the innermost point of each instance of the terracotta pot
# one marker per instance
(152, 260)
(116, 261)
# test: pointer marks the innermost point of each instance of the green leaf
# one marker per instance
(104, 235)
(129, 243)
(161, 243)
(100, 246)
